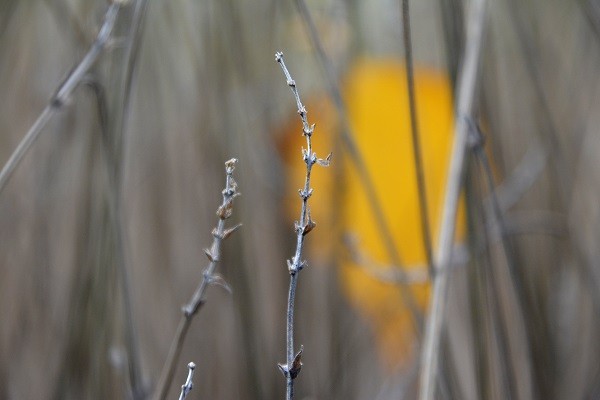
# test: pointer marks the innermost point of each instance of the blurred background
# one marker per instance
(104, 222)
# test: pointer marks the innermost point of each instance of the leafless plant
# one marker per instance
(187, 387)
(209, 277)
(303, 226)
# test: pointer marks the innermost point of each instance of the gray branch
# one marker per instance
(63, 92)
(303, 226)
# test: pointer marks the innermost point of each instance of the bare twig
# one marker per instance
(416, 140)
(303, 226)
(467, 85)
(188, 385)
(63, 93)
(359, 163)
(209, 277)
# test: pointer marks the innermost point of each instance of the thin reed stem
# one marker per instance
(467, 87)
(62, 93)
(416, 139)
(302, 227)
(209, 277)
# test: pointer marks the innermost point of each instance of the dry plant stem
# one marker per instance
(209, 277)
(62, 94)
(302, 227)
(187, 387)
(359, 163)
(416, 140)
(467, 86)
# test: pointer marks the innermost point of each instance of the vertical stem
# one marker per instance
(290, 334)
(416, 140)
(302, 227)
(467, 85)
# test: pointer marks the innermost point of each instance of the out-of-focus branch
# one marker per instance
(64, 91)
(467, 87)
(303, 226)
(411, 275)
(209, 277)
(416, 139)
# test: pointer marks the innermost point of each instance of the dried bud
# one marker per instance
(225, 210)
(296, 364)
(279, 56)
(308, 131)
(326, 161)
(209, 254)
(218, 280)
(229, 231)
(230, 165)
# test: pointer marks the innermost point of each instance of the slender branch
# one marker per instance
(209, 277)
(188, 385)
(302, 227)
(416, 140)
(467, 85)
(359, 163)
(63, 92)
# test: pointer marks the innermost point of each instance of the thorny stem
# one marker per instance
(302, 227)
(467, 85)
(416, 140)
(63, 92)
(188, 385)
(209, 277)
